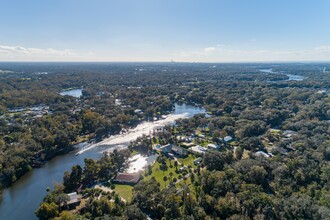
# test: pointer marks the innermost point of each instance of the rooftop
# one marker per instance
(213, 146)
(198, 149)
(227, 138)
(74, 198)
(262, 153)
(187, 144)
(127, 177)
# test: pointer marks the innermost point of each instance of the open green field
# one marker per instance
(188, 161)
(159, 174)
(125, 191)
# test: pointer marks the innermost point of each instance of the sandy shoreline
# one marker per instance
(144, 128)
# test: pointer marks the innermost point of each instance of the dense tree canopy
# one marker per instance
(264, 113)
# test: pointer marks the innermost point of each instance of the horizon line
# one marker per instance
(173, 62)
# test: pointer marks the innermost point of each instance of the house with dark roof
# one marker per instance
(182, 152)
(127, 178)
(166, 148)
(172, 149)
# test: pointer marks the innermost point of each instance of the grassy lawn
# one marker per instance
(124, 191)
(188, 161)
(190, 186)
(233, 143)
(159, 174)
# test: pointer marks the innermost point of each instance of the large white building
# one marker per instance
(198, 150)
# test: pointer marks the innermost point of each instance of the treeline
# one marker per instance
(257, 112)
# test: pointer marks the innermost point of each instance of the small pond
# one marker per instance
(72, 92)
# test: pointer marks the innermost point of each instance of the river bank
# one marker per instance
(141, 129)
(20, 200)
(290, 76)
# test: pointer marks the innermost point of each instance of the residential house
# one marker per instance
(179, 151)
(262, 154)
(171, 148)
(198, 161)
(289, 133)
(228, 139)
(138, 111)
(213, 146)
(183, 168)
(127, 178)
(199, 150)
(74, 200)
(165, 148)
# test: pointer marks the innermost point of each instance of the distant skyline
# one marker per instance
(154, 30)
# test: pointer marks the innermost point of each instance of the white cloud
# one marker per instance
(227, 53)
(209, 49)
(217, 53)
(20, 53)
(322, 49)
(19, 50)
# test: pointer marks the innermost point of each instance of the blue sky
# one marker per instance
(154, 30)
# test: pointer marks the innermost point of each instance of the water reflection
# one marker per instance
(291, 76)
(73, 92)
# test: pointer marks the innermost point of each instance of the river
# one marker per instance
(21, 199)
(291, 76)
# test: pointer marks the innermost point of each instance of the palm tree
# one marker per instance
(171, 174)
(165, 179)
(176, 165)
(184, 179)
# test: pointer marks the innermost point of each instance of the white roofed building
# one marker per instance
(199, 150)
(213, 146)
(228, 139)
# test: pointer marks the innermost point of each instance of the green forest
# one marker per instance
(277, 165)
